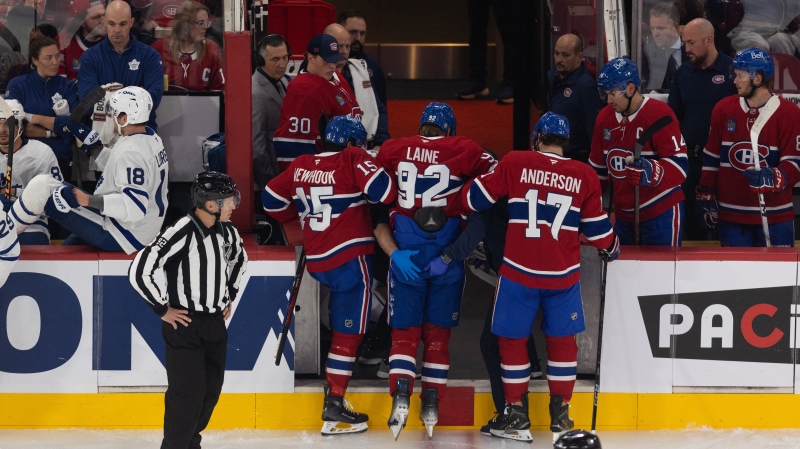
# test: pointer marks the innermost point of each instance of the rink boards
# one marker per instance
(692, 337)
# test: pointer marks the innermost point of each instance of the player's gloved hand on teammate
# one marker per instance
(705, 205)
(85, 134)
(611, 253)
(436, 266)
(6, 202)
(644, 172)
(766, 179)
(402, 259)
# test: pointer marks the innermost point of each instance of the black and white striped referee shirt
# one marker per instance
(202, 266)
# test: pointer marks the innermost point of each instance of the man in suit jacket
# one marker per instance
(269, 88)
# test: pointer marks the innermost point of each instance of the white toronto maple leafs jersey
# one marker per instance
(134, 190)
(33, 158)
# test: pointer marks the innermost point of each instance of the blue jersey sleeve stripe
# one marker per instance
(379, 186)
(131, 192)
(273, 202)
(10, 247)
(478, 198)
(288, 150)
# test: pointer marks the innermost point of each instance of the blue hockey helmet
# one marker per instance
(551, 123)
(617, 73)
(342, 128)
(441, 115)
(754, 59)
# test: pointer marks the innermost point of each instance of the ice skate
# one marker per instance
(560, 421)
(513, 425)
(339, 418)
(401, 399)
(429, 411)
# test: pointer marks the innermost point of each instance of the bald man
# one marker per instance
(699, 84)
(573, 94)
(120, 58)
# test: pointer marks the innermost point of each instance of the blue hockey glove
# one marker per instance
(766, 179)
(644, 172)
(436, 266)
(6, 203)
(402, 258)
(85, 134)
(705, 205)
(612, 252)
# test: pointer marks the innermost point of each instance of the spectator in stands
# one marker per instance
(699, 84)
(269, 88)
(121, 58)
(190, 60)
(573, 94)
(764, 26)
(356, 24)
(356, 73)
(664, 22)
(47, 98)
(91, 31)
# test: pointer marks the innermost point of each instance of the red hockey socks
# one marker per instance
(515, 367)
(562, 365)
(341, 359)
(403, 356)
(435, 358)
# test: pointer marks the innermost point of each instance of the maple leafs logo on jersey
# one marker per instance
(134, 65)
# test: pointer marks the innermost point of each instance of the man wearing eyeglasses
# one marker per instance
(268, 87)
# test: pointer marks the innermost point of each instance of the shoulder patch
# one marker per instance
(607, 133)
(339, 99)
(731, 125)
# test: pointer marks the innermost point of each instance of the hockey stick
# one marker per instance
(7, 35)
(287, 321)
(648, 134)
(599, 340)
(11, 121)
(764, 114)
(87, 104)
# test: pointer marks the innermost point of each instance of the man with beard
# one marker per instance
(355, 24)
(699, 84)
(91, 32)
(573, 94)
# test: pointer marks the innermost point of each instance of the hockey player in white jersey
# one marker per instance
(127, 208)
(31, 158)
(9, 246)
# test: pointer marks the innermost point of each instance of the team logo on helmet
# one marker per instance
(615, 160)
(740, 155)
(719, 79)
(731, 125)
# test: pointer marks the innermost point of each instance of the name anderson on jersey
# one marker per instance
(550, 179)
(314, 176)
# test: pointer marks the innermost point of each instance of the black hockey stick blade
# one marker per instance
(87, 104)
(287, 321)
(648, 134)
(12, 133)
(8, 36)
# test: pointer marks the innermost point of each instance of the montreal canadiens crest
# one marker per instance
(615, 160)
(740, 155)
(719, 79)
(568, 92)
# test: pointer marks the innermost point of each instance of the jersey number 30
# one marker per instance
(562, 202)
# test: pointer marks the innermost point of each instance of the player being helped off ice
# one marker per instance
(331, 191)
(551, 201)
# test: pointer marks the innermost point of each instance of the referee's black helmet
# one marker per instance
(212, 186)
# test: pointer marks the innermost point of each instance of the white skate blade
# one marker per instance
(517, 435)
(340, 428)
(398, 423)
(429, 428)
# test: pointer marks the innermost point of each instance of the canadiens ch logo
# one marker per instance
(615, 160)
(719, 79)
(567, 92)
(740, 155)
(133, 65)
(607, 133)
(339, 99)
(731, 126)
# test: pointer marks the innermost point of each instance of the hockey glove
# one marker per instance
(611, 253)
(644, 172)
(705, 205)
(766, 179)
(6, 203)
(402, 259)
(436, 266)
(85, 134)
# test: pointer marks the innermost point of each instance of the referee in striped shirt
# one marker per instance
(203, 261)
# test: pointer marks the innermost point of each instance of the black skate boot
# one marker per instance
(429, 411)
(401, 399)
(560, 421)
(514, 424)
(339, 418)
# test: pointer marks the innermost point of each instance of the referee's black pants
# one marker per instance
(195, 371)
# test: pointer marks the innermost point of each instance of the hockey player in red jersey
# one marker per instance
(190, 60)
(661, 169)
(729, 185)
(430, 170)
(90, 32)
(318, 91)
(551, 201)
(330, 192)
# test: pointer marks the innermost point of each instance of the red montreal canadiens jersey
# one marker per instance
(729, 152)
(72, 58)
(551, 200)
(615, 139)
(307, 97)
(430, 171)
(330, 191)
(190, 73)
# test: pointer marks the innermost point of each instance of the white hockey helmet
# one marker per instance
(134, 101)
(19, 114)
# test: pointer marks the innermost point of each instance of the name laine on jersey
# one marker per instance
(314, 176)
(422, 155)
(161, 157)
(550, 179)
